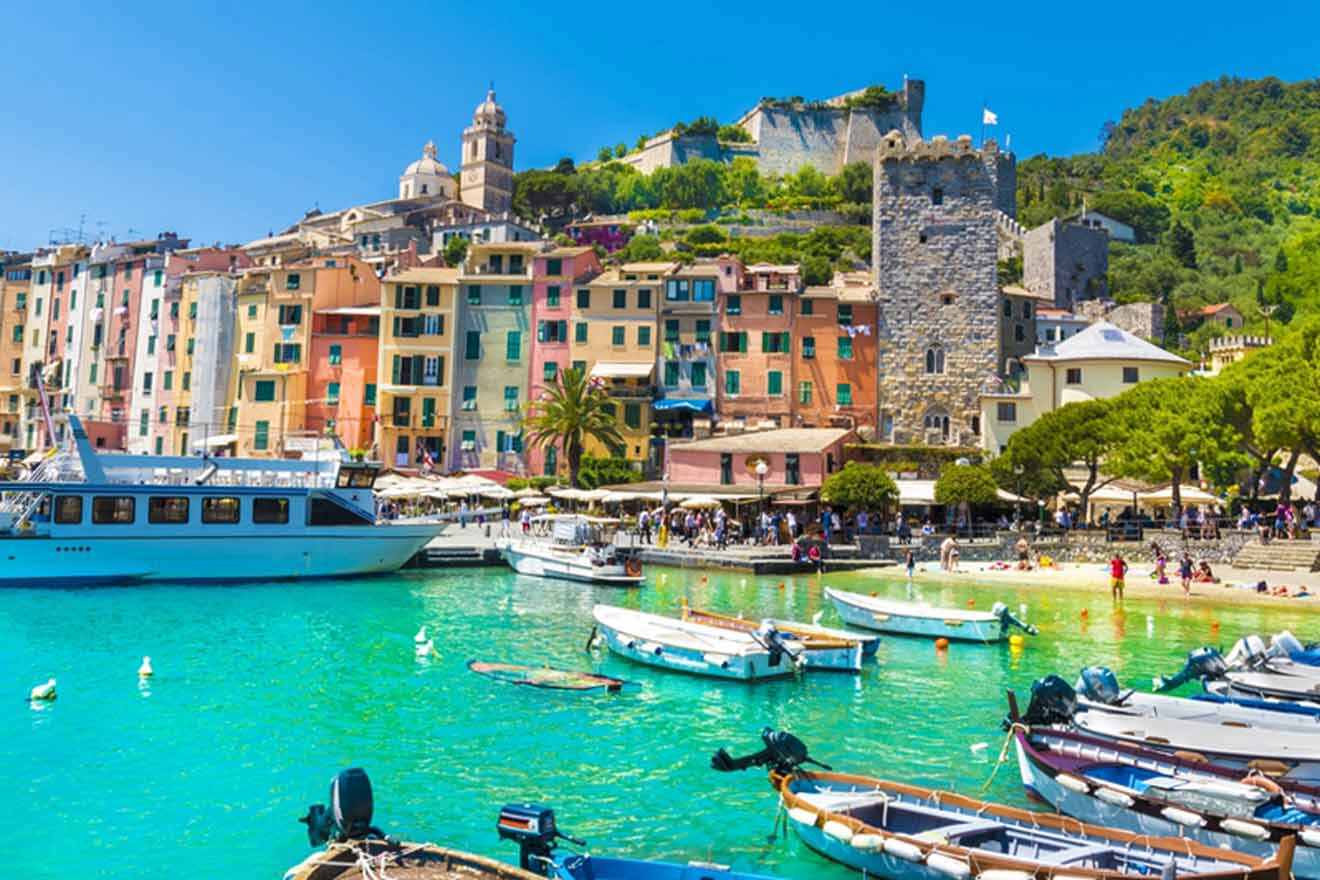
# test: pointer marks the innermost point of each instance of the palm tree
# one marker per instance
(571, 408)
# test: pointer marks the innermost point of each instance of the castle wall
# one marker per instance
(934, 251)
(1065, 262)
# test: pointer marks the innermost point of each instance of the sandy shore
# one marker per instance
(1094, 578)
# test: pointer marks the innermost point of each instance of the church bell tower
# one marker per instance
(486, 178)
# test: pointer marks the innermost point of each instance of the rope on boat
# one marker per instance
(1003, 753)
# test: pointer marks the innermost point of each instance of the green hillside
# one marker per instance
(1223, 186)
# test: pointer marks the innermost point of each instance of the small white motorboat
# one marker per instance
(579, 548)
(701, 649)
(920, 619)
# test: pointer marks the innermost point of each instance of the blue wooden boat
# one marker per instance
(357, 849)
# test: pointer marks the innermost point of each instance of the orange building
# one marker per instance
(342, 373)
(756, 352)
(835, 345)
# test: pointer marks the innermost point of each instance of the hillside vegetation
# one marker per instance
(1223, 186)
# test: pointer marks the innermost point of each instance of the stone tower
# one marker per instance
(933, 250)
(486, 180)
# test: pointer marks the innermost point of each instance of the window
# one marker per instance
(554, 266)
(261, 435)
(583, 298)
(268, 511)
(1074, 376)
(474, 294)
(644, 298)
(515, 295)
(808, 347)
(678, 290)
(187, 380)
(18, 333)
(332, 393)
(698, 374)
(369, 395)
(843, 394)
(117, 510)
(845, 314)
(551, 461)
(167, 380)
(169, 342)
(671, 373)
(432, 294)
(733, 342)
(774, 383)
(263, 390)
(1019, 333)
(1131, 376)
(733, 304)
(774, 343)
(293, 281)
(469, 441)
(146, 383)
(621, 299)
(552, 295)
(552, 331)
(469, 398)
(671, 331)
(428, 412)
(703, 290)
(948, 299)
(845, 348)
(726, 468)
(92, 371)
(68, 510)
(328, 512)
(170, 510)
(513, 345)
(549, 370)
(402, 414)
(472, 348)
(937, 196)
(1006, 412)
(934, 361)
(807, 307)
(164, 415)
(702, 333)
(250, 343)
(580, 332)
(1008, 308)
(776, 306)
(151, 344)
(252, 310)
(510, 398)
(792, 469)
(643, 337)
(579, 366)
(804, 392)
(732, 382)
(619, 336)
(144, 420)
(632, 415)
(288, 352)
(174, 308)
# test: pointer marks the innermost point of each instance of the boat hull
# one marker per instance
(230, 557)
(1042, 784)
(563, 567)
(716, 662)
(930, 627)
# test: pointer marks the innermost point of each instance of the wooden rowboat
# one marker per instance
(814, 638)
(920, 619)
(907, 832)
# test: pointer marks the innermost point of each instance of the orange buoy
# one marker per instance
(1214, 625)
(873, 595)
(971, 603)
(1086, 613)
(941, 644)
(781, 586)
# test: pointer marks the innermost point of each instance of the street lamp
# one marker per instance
(762, 468)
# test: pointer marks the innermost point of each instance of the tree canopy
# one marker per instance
(1083, 432)
(859, 487)
(570, 409)
(966, 484)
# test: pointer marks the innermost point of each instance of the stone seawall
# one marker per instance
(1076, 546)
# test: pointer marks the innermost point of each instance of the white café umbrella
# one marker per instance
(700, 502)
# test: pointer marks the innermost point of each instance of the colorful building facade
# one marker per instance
(414, 394)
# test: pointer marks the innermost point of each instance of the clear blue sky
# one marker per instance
(224, 122)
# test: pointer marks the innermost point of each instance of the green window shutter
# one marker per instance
(187, 380)
(644, 337)
(843, 394)
(671, 372)
(618, 336)
(580, 332)
(632, 415)
(742, 343)
(845, 348)
(428, 412)
(332, 392)
(765, 341)
(698, 374)
(499, 441)
(261, 439)
(369, 396)
(250, 343)
(396, 371)
(549, 370)
(552, 295)
(731, 382)
(473, 348)
(169, 380)
(418, 364)
(804, 391)
(513, 345)
(775, 383)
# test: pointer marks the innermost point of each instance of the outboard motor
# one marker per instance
(1099, 685)
(533, 828)
(349, 815)
(783, 752)
(776, 643)
(1007, 619)
(1202, 664)
(1053, 701)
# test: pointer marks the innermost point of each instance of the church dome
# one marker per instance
(489, 111)
(428, 164)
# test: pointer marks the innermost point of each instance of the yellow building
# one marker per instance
(274, 321)
(416, 367)
(614, 341)
(1099, 362)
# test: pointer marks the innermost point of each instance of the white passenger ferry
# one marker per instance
(87, 518)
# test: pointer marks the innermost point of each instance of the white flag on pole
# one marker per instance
(988, 117)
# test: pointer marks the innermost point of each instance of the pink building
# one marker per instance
(611, 233)
(794, 457)
(555, 275)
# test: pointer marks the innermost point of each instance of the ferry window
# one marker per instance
(113, 510)
(324, 512)
(361, 478)
(167, 509)
(68, 510)
(270, 510)
(220, 510)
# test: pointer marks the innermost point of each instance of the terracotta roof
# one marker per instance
(1215, 309)
(565, 252)
(648, 267)
(425, 276)
(777, 440)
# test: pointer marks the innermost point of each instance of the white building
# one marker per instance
(1117, 229)
(1055, 325)
(426, 177)
(1101, 361)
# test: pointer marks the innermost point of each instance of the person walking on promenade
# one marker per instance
(1185, 574)
(1118, 569)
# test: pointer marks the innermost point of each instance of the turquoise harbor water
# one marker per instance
(263, 692)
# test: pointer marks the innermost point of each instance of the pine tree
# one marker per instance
(1182, 245)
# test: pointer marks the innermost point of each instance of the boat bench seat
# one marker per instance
(1075, 854)
(951, 833)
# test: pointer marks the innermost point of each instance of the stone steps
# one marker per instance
(454, 557)
(1280, 556)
